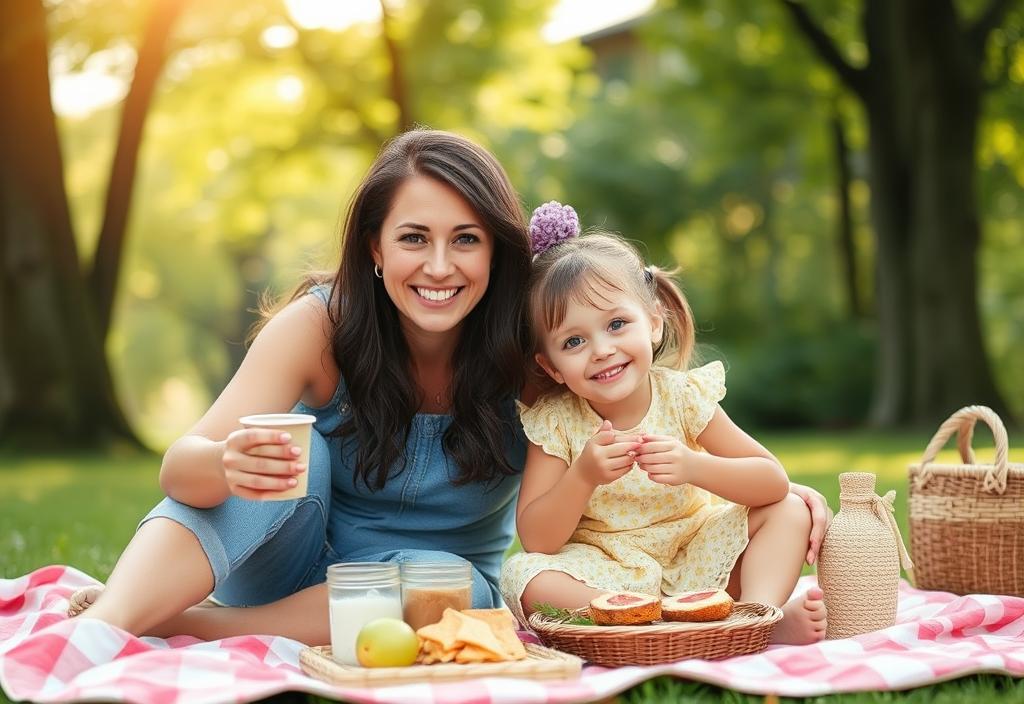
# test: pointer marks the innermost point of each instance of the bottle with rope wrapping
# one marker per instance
(860, 558)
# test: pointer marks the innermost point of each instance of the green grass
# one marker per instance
(81, 510)
(76, 510)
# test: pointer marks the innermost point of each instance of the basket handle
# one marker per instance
(962, 422)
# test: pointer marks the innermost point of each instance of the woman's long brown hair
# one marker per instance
(367, 341)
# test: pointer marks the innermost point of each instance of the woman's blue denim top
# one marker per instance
(419, 508)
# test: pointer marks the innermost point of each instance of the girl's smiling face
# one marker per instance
(604, 347)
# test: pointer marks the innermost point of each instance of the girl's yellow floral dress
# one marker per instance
(636, 534)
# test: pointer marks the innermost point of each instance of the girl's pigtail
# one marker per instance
(677, 341)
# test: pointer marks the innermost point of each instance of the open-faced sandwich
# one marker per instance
(624, 609)
(709, 605)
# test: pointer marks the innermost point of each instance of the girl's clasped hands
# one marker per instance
(610, 454)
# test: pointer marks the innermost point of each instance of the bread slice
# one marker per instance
(624, 609)
(710, 605)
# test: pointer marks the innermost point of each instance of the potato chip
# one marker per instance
(495, 618)
(503, 625)
(431, 652)
(470, 636)
(472, 654)
(473, 631)
(444, 631)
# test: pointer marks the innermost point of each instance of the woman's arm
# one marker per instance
(821, 516)
(289, 359)
(735, 466)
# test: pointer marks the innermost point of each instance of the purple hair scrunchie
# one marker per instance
(551, 224)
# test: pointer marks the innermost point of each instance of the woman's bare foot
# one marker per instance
(803, 619)
(82, 599)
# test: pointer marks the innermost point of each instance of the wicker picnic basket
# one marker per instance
(967, 520)
(745, 631)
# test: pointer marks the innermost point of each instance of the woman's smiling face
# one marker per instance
(434, 255)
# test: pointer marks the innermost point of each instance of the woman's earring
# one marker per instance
(377, 271)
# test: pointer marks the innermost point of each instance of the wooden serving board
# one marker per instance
(540, 664)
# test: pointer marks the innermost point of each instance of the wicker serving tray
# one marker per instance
(745, 631)
(540, 664)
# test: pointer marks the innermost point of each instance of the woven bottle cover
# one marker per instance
(859, 566)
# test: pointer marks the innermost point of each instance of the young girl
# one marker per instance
(636, 479)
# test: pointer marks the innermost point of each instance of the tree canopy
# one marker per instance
(712, 132)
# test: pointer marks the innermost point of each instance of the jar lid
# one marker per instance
(437, 573)
(362, 574)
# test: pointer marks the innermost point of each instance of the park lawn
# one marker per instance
(82, 509)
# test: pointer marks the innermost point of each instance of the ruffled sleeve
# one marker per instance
(702, 389)
(541, 423)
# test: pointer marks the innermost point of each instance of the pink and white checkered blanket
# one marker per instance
(46, 657)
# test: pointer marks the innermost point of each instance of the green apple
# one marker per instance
(387, 642)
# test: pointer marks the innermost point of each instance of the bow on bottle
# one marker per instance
(886, 510)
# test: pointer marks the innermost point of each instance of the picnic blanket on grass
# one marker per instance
(46, 657)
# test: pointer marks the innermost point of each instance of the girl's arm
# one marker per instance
(553, 494)
(736, 466)
(551, 502)
(289, 359)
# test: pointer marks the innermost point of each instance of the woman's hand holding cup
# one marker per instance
(268, 458)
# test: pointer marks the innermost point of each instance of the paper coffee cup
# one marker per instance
(299, 426)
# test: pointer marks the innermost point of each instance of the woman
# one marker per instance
(410, 360)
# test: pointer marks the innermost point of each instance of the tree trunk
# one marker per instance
(890, 124)
(921, 91)
(397, 87)
(106, 265)
(55, 382)
(951, 367)
(890, 221)
(844, 238)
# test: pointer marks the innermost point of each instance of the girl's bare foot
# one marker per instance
(803, 619)
(82, 599)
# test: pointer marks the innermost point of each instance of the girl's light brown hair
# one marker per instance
(580, 268)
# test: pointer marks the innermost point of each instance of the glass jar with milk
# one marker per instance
(360, 592)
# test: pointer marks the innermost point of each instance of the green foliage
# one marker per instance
(789, 377)
(252, 151)
(703, 134)
(710, 143)
(718, 133)
(562, 615)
